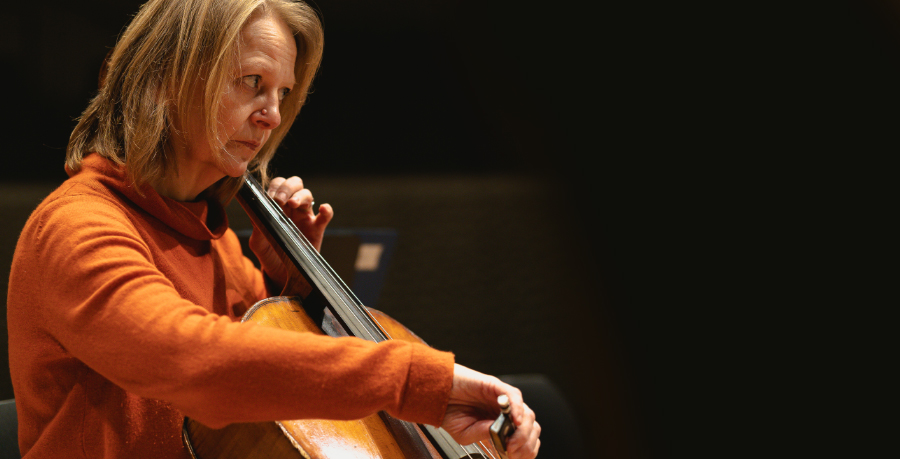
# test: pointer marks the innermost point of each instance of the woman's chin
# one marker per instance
(236, 171)
(235, 167)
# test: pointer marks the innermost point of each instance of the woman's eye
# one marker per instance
(284, 93)
(251, 81)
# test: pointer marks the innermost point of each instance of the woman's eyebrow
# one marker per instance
(263, 65)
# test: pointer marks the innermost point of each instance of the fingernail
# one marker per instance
(282, 197)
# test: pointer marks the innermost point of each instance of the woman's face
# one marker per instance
(251, 102)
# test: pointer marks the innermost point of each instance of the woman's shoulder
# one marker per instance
(80, 194)
(77, 204)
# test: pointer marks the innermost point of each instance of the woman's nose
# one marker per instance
(268, 117)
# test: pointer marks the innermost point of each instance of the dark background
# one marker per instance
(643, 202)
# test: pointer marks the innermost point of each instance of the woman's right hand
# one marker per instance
(473, 408)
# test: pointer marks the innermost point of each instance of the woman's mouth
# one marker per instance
(249, 144)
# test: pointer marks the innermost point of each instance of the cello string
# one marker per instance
(317, 262)
(355, 307)
(486, 450)
(449, 439)
(334, 282)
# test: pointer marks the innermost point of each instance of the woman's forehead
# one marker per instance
(268, 42)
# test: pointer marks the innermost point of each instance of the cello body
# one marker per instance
(314, 307)
(370, 437)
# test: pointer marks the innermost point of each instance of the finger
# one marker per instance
(525, 442)
(534, 445)
(529, 451)
(524, 427)
(324, 216)
(528, 415)
(516, 403)
(302, 200)
(527, 430)
(273, 185)
(285, 189)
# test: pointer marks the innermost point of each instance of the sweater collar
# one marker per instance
(202, 220)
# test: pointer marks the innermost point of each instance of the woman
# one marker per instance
(127, 285)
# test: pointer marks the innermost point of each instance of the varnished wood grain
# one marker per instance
(368, 438)
(259, 440)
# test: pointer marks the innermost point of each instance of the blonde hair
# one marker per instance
(170, 51)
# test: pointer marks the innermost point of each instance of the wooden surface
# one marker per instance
(367, 438)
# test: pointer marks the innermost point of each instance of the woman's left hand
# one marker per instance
(297, 203)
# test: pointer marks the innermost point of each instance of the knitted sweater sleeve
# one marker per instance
(103, 299)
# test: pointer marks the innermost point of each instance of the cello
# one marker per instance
(316, 300)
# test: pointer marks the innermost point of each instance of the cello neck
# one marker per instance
(312, 278)
(321, 289)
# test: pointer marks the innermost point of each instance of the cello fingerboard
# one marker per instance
(449, 448)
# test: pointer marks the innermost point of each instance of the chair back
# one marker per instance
(9, 430)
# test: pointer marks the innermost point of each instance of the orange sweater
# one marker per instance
(122, 317)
